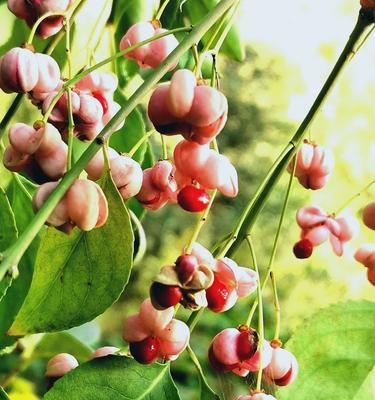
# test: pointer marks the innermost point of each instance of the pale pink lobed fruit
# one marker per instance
(314, 165)
(149, 196)
(19, 8)
(160, 49)
(104, 351)
(31, 10)
(190, 158)
(368, 215)
(98, 81)
(183, 81)
(162, 176)
(59, 215)
(82, 200)
(48, 74)
(171, 335)
(199, 118)
(103, 207)
(18, 71)
(225, 346)
(205, 166)
(14, 160)
(252, 364)
(283, 368)
(173, 339)
(257, 396)
(127, 175)
(159, 186)
(150, 54)
(208, 114)
(134, 330)
(44, 6)
(90, 110)
(60, 365)
(52, 152)
(138, 32)
(155, 320)
(238, 281)
(317, 226)
(203, 255)
(366, 255)
(24, 138)
(95, 167)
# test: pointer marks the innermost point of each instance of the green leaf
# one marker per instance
(114, 378)
(132, 131)
(335, 353)
(19, 193)
(78, 276)
(129, 12)
(61, 342)
(3, 395)
(8, 235)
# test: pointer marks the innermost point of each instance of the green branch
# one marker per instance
(255, 206)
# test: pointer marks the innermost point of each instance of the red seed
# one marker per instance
(185, 267)
(247, 344)
(146, 351)
(217, 295)
(192, 199)
(165, 296)
(102, 100)
(303, 248)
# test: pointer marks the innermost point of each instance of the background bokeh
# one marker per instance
(291, 47)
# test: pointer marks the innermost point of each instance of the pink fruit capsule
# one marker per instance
(48, 74)
(59, 215)
(104, 351)
(14, 160)
(61, 364)
(283, 368)
(18, 71)
(150, 54)
(257, 396)
(24, 138)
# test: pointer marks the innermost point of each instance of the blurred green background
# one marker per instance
(290, 49)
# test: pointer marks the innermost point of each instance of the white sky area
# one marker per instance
(299, 30)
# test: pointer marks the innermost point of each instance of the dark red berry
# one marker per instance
(192, 199)
(146, 351)
(102, 100)
(303, 248)
(185, 267)
(217, 295)
(164, 296)
(247, 344)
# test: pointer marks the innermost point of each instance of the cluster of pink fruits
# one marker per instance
(186, 106)
(313, 167)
